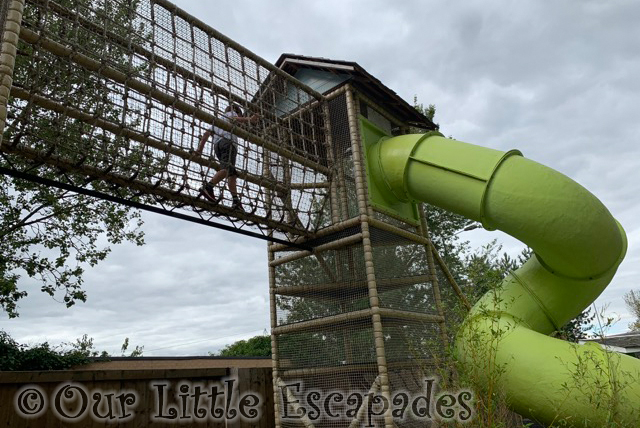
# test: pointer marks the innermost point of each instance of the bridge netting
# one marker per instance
(115, 95)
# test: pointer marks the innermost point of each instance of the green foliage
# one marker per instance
(487, 267)
(257, 346)
(14, 356)
(632, 300)
(485, 374)
(52, 235)
(84, 345)
(137, 351)
(46, 234)
(597, 378)
(578, 328)
(20, 357)
(429, 111)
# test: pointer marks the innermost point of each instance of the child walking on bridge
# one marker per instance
(225, 146)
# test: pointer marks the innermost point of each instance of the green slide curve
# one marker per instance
(578, 247)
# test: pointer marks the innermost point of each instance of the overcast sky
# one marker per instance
(557, 80)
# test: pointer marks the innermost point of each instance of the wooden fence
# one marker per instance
(137, 398)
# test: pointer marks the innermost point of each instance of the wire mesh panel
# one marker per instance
(132, 97)
(325, 340)
(403, 278)
(340, 409)
(330, 348)
(338, 359)
(342, 151)
(323, 285)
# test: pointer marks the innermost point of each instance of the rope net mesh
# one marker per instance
(116, 95)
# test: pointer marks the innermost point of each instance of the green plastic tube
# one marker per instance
(577, 245)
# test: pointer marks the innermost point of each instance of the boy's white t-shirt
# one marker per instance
(220, 133)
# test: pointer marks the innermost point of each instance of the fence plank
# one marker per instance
(256, 380)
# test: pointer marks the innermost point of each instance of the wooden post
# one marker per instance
(10, 21)
(274, 337)
(374, 302)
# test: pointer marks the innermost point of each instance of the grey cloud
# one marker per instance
(557, 80)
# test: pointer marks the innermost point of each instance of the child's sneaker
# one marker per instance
(207, 191)
(237, 205)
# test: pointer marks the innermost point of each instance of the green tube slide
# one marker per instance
(578, 247)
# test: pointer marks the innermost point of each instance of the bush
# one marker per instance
(17, 357)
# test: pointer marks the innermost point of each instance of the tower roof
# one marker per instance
(362, 80)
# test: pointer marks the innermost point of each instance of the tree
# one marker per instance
(47, 234)
(578, 328)
(486, 267)
(14, 356)
(257, 346)
(85, 346)
(20, 357)
(632, 300)
(429, 112)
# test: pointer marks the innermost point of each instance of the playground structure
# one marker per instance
(111, 97)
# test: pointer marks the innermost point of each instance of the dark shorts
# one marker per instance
(226, 153)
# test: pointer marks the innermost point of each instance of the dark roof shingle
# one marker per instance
(629, 339)
(371, 86)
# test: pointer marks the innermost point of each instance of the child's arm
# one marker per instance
(203, 140)
(246, 119)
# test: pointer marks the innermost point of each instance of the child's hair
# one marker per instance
(236, 108)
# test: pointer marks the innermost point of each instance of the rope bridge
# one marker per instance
(112, 97)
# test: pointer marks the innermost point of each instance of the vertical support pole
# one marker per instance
(266, 161)
(285, 195)
(343, 208)
(268, 196)
(274, 338)
(374, 301)
(10, 21)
